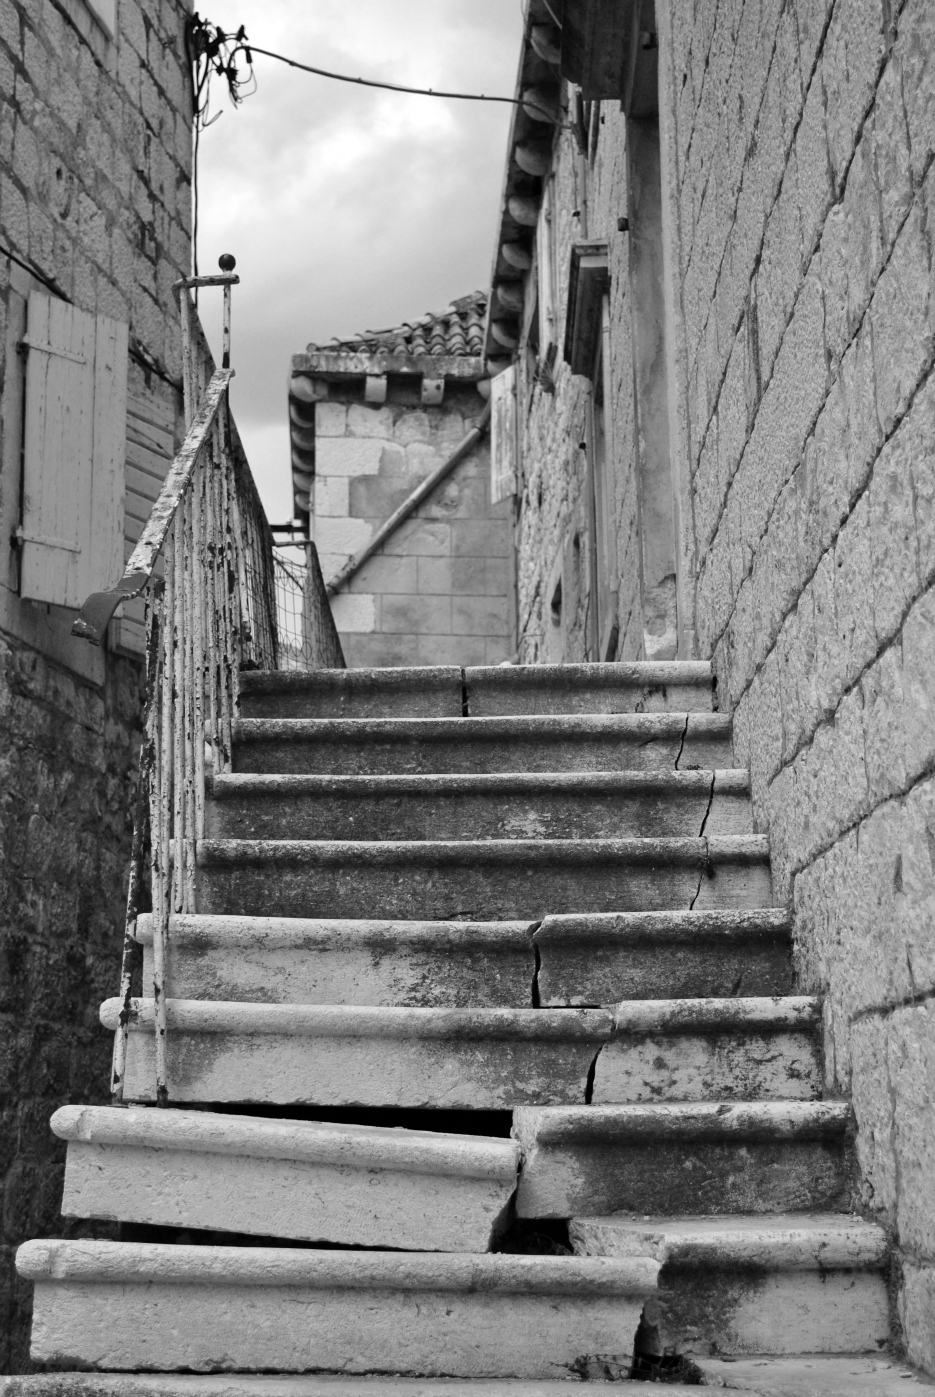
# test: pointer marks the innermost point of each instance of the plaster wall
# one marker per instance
(440, 590)
(95, 147)
(804, 136)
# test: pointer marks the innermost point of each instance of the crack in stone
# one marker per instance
(536, 1001)
(589, 1082)
(701, 876)
(465, 701)
(708, 806)
(678, 755)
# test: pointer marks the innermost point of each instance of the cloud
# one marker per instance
(348, 208)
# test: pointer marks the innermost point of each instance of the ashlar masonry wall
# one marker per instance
(95, 166)
(804, 137)
(440, 589)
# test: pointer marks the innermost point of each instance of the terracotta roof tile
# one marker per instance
(457, 330)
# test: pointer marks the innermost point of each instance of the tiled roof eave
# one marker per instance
(337, 364)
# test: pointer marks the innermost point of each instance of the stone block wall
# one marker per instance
(804, 137)
(440, 589)
(589, 195)
(95, 167)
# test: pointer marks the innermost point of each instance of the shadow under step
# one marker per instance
(121, 1305)
(795, 1283)
(442, 691)
(525, 805)
(599, 958)
(350, 1184)
(342, 1055)
(479, 879)
(582, 742)
(673, 1159)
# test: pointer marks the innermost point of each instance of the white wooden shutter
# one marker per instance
(73, 450)
(150, 451)
(503, 439)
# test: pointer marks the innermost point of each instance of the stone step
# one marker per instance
(643, 686)
(120, 1305)
(448, 691)
(583, 960)
(601, 958)
(795, 1283)
(392, 746)
(357, 1185)
(711, 1050)
(297, 960)
(479, 880)
(819, 1375)
(417, 692)
(337, 1055)
(672, 1159)
(541, 805)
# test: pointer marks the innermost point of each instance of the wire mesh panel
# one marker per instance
(308, 637)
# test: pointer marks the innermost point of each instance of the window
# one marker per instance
(72, 511)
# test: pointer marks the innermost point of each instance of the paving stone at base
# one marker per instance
(672, 1159)
(118, 1305)
(295, 960)
(637, 687)
(712, 1050)
(479, 879)
(336, 1055)
(812, 1283)
(600, 958)
(521, 805)
(350, 1184)
(430, 692)
(582, 742)
(292, 1385)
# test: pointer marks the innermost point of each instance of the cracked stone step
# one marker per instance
(712, 1050)
(672, 1159)
(352, 1184)
(339, 1055)
(794, 1283)
(643, 686)
(578, 742)
(600, 958)
(417, 692)
(525, 805)
(121, 1305)
(479, 879)
(297, 960)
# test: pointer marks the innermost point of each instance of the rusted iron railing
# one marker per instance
(210, 614)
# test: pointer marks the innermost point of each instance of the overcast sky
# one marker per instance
(349, 209)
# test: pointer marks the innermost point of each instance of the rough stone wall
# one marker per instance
(95, 142)
(440, 590)
(804, 136)
(590, 193)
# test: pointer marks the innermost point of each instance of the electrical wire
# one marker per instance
(385, 86)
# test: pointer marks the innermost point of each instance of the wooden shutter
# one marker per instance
(72, 514)
(503, 440)
(150, 451)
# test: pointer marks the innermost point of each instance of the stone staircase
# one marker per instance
(482, 1054)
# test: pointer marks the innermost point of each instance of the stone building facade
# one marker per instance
(391, 468)
(95, 175)
(714, 283)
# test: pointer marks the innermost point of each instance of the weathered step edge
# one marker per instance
(429, 691)
(672, 926)
(643, 727)
(690, 1016)
(319, 933)
(162, 1263)
(774, 1242)
(673, 1121)
(357, 1146)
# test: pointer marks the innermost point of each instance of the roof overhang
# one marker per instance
(600, 43)
(338, 364)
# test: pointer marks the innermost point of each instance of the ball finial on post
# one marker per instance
(227, 262)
